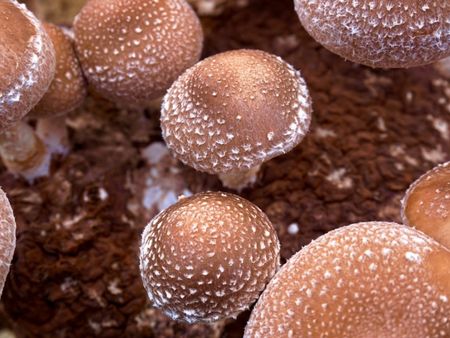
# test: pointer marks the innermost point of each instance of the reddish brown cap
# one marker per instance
(426, 205)
(380, 33)
(68, 88)
(7, 237)
(364, 280)
(235, 110)
(27, 62)
(208, 257)
(132, 50)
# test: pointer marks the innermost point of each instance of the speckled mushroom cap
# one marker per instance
(27, 62)
(364, 280)
(380, 33)
(7, 237)
(132, 50)
(68, 88)
(426, 205)
(208, 257)
(235, 110)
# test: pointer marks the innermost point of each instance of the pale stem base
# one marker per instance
(53, 132)
(240, 180)
(23, 152)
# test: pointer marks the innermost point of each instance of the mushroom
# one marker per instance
(379, 33)
(66, 93)
(27, 67)
(7, 237)
(371, 279)
(132, 50)
(233, 111)
(208, 257)
(426, 205)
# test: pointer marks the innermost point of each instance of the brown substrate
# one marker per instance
(75, 272)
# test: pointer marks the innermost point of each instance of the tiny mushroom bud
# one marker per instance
(7, 237)
(208, 257)
(27, 67)
(426, 205)
(132, 50)
(27, 62)
(364, 280)
(68, 88)
(380, 33)
(233, 111)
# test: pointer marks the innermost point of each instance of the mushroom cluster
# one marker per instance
(208, 257)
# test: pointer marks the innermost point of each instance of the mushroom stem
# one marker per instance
(23, 152)
(53, 132)
(239, 180)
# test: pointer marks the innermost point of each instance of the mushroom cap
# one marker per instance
(208, 257)
(380, 33)
(27, 63)
(132, 50)
(364, 280)
(235, 110)
(68, 88)
(7, 237)
(426, 205)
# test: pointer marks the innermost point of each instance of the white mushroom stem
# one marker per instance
(53, 132)
(23, 152)
(241, 179)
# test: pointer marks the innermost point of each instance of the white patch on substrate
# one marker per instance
(338, 179)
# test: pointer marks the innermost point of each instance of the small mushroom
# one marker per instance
(132, 50)
(365, 280)
(380, 33)
(66, 93)
(426, 205)
(233, 111)
(27, 67)
(208, 257)
(7, 237)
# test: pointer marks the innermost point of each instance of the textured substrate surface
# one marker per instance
(75, 272)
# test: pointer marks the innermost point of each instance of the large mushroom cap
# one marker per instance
(380, 33)
(235, 110)
(132, 50)
(7, 238)
(364, 280)
(27, 62)
(426, 205)
(68, 88)
(208, 257)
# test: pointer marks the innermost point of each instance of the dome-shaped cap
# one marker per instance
(208, 257)
(27, 62)
(132, 50)
(235, 110)
(380, 33)
(364, 280)
(7, 237)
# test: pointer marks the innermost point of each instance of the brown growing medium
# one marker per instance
(373, 133)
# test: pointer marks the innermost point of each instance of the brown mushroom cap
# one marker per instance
(380, 33)
(235, 110)
(7, 237)
(68, 88)
(132, 50)
(426, 205)
(208, 257)
(27, 62)
(364, 280)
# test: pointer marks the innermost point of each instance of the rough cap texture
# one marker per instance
(68, 88)
(235, 110)
(132, 50)
(380, 33)
(426, 205)
(7, 237)
(364, 280)
(208, 257)
(27, 63)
